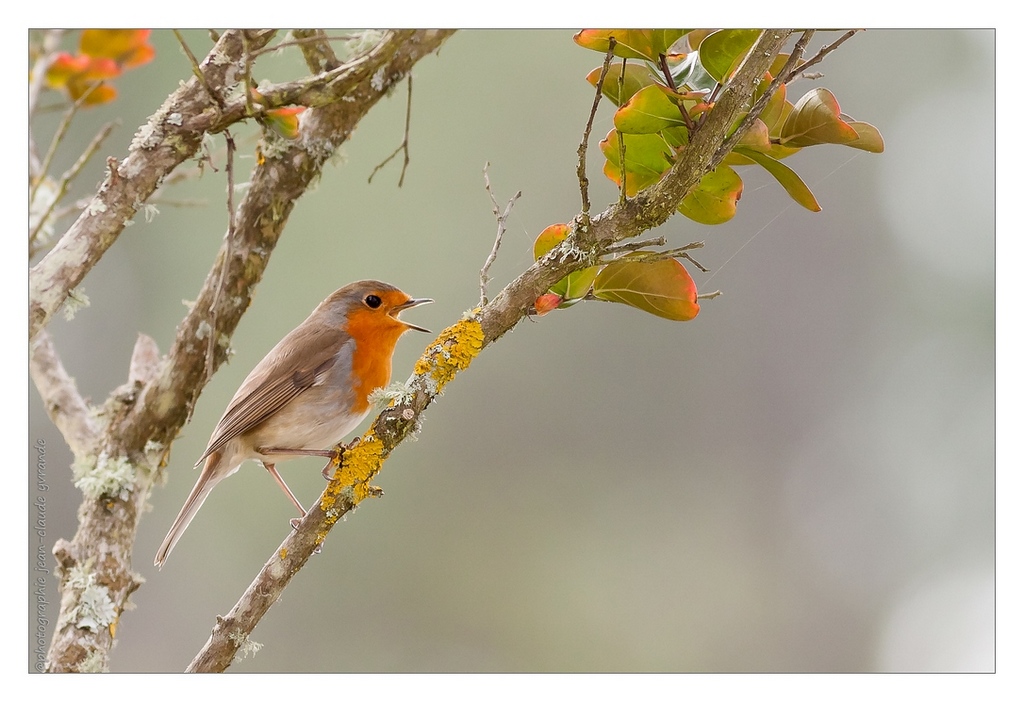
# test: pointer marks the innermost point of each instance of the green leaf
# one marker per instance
(648, 112)
(721, 51)
(815, 120)
(868, 138)
(573, 286)
(637, 76)
(786, 176)
(775, 110)
(663, 288)
(663, 39)
(714, 200)
(646, 154)
(629, 43)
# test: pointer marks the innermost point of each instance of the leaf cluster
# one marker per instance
(665, 93)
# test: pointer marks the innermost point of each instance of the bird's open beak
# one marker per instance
(412, 302)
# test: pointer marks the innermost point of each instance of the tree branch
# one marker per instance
(456, 346)
(142, 418)
(67, 410)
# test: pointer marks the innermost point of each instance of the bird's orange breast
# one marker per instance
(376, 335)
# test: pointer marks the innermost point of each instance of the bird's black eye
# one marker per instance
(372, 301)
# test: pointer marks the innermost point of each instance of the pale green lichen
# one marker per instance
(95, 609)
(113, 477)
(203, 330)
(246, 646)
(150, 212)
(76, 300)
(94, 662)
(396, 393)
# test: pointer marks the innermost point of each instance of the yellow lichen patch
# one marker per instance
(452, 351)
(358, 465)
(283, 553)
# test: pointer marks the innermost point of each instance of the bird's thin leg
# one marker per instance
(280, 481)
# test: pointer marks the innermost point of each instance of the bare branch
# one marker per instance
(58, 137)
(65, 182)
(825, 51)
(68, 411)
(51, 40)
(404, 146)
(501, 217)
(581, 165)
(316, 49)
(211, 343)
(197, 71)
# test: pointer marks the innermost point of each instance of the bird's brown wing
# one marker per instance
(278, 379)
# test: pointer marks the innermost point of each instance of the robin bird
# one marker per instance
(307, 393)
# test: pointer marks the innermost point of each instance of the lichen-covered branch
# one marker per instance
(141, 418)
(456, 346)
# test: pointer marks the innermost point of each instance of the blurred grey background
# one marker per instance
(800, 479)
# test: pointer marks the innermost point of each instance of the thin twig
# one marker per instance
(710, 295)
(247, 85)
(51, 40)
(501, 217)
(68, 176)
(58, 137)
(627, 246)
(404, 146)
(679, 252)
(230, 237)
(622, 141)
(316, 50)
(825, 51)
(581, 166)
(196, 71)
(663, 64)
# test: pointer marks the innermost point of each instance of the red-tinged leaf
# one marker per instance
(714, 200)
(629, 43)
(63, 67)
(99, 95)
(545, 303)
(649, 111)
(815, 120)
(285, 120)
(548, 239)
(722, 51)
(128, 47)
(756, 137)
(637, 76)
(868, 138)
(573, 286)
(786, 176)
(663, 288)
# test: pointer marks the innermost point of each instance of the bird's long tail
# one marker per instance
(208, 479)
